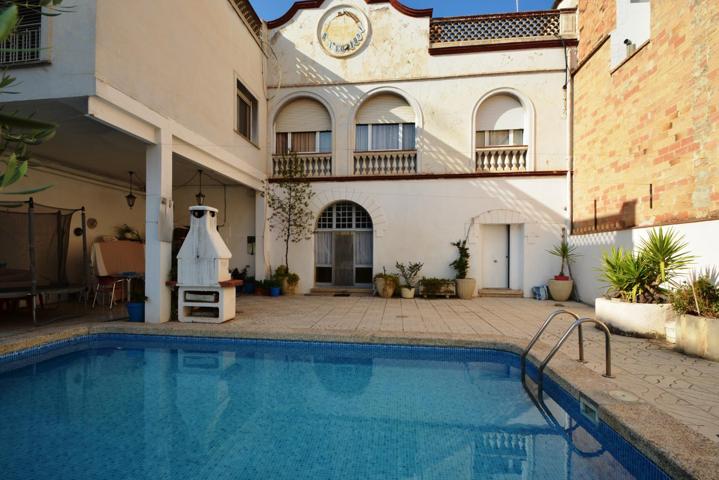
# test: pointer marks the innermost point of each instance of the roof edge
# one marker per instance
(308, 4)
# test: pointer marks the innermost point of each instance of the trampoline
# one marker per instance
(34, 241)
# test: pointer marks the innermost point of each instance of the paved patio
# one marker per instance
(685, 387)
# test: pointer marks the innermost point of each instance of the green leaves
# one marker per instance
(565, 252)
(461, 264)
(8, 21)
(644, 276)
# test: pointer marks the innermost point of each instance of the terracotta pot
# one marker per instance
(385, 289)
(407, 292)
(560, 290)
(466, 288)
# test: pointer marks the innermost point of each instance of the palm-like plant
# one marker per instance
(644, 276)
(566, 253)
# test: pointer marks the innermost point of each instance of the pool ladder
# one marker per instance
(577, 324)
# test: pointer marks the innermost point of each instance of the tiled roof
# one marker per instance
(495, 27)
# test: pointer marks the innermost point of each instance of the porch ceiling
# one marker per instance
(89, 147)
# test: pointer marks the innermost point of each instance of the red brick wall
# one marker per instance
(653, 121)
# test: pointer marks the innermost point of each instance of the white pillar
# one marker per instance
(261, 240)
(158, 228)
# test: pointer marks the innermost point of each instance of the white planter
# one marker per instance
(698, 336)
(407, 292)
(640, 319)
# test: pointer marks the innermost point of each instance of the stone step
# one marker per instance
(500, 292)
(340, 292)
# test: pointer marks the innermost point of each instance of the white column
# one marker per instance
(261, 239)
(158, 228)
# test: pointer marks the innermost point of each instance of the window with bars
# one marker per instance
(385, 136)
(499, 138)
(344, 216)
(303, 142)
(24, 45)
(246, 113)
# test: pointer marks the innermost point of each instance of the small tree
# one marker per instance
(461, 264)
(289, 198)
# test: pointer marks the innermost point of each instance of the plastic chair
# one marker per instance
(107, 285)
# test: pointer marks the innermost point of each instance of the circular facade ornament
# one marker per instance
(343, 31)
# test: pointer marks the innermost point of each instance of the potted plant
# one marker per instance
(636, 302)
(287, 279)
(136, 301)
(249, 286)
(437, 287)
(560, 287)
(273, 287)
(385, 284)
(697, 303)
(238, 274)
(465, 286)
(261, 288)
(409, 274)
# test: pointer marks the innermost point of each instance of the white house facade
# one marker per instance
(456, 128)
(414, 131)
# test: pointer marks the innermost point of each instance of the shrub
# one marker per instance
(461, 264)
(645, 275)
(435, 286)
(699, 296)
(409, 272)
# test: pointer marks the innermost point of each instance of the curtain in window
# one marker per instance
(363, 248)
(325, 141)
(280, 143)
(244, 112)
(323, 249)
(408, 136)
(480, 139)
(361, 138)
(385, 137)
(304, 142)
(518, 137)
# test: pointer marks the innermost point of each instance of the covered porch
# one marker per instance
(99, 141)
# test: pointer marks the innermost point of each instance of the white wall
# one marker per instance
(418, 220)
(103, 202)
(443, 89)
(181, 60)
(700, 236)
(236, 217)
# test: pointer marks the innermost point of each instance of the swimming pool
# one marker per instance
(129, 406)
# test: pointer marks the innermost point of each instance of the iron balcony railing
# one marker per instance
(388, 162)
(314, 164)
(22, 47)
(511, 158)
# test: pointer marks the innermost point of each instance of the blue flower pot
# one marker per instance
(136, 311)
(249, 288)
(275, 291)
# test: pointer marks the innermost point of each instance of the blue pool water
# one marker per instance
(132, 407)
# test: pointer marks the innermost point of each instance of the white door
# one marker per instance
(495, 256)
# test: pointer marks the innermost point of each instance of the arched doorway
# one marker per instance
(344, 246)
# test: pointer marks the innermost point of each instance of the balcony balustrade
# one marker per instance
(502, 159)
(389, 162)
(314, 164)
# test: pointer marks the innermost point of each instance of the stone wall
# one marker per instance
(645, 134)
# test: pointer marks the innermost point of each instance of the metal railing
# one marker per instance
(22, 47)
(577, 324)
(313, 164)
(502, 159)
(388, 162)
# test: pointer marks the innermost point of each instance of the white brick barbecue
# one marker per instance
(202, 267)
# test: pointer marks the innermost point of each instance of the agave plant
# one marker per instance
(645, 276)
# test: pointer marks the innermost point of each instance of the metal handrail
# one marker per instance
(552, 316)
(578, 324)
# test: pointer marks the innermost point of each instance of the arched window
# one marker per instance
(501, 137)
(303, 126)
(385, 122)
(343, 246)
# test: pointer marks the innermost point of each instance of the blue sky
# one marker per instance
(270, 9)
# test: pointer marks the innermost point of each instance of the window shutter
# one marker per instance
(303, 115)
(385, 108)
